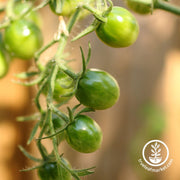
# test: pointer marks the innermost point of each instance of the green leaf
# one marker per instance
(89, 55)
(41, 87)
(84, 172)
(33, 133)
(29, 155)
(83, 61)
(30, 169)
(88, 30)
(73, 19)
(86, 109)
(30, 83)
(75, 107)
(25, 75)
(58, 132)
(28, 118)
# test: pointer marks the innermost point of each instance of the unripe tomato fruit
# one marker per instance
(97, 89)
(84, 134)
(23, 38)
(120, 30)
(49, 171)
(140, 6)
(63, 86)
(33, 16)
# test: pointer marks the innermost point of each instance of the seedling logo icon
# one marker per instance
(155, 153)
(155, 157)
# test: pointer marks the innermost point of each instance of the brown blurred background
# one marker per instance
(148, 73)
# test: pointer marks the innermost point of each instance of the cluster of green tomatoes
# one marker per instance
(23, 37)
(93, 88)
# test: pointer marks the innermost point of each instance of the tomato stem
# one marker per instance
(97, 14)
(44, 48)
(40, 146)
(159, 4)
(43, 4)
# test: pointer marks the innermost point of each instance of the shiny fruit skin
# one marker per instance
(97, 89)
(23, 38)
(120, 30)
(49, 171)
(84, 134)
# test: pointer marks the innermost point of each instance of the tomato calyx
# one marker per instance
(100, 17)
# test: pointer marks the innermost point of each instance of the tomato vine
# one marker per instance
(94, 88)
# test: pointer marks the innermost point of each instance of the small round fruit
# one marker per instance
(120, 30)
(84, 134)
(49, 171)
(3, 65)
(97, 89)
(63, 86)
(140, 6)
(23, 38)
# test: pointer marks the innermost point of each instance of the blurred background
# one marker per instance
(148, 73)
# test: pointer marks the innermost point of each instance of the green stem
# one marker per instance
(36, 100)
(96, 13)
(49, 113)
(39, 145)
(38, 53)
(160, 4)
(43, 4)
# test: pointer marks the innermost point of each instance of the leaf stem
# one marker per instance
(160, 4)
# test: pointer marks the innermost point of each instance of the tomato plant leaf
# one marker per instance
(84, 172)
(29, 155)
(25, 75)
(33, 133)
(33, 117)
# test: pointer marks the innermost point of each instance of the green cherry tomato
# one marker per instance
(120, 30)
(84, 134)
(69, 7)
(23, 38)
(33, 16)
(49, 171)
(140, 6)
(97, 89)
(3, 64)
(63, 86)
